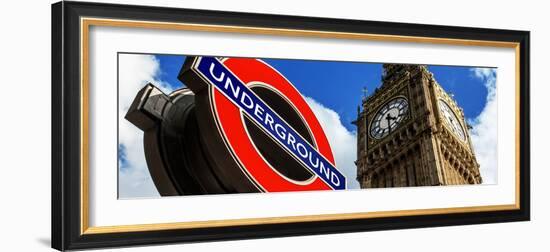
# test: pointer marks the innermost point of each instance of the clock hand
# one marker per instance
(389, 118)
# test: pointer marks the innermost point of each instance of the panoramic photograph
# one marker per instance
(197, 125)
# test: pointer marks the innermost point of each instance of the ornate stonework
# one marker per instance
(422, 143)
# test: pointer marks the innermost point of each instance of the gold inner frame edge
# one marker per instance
(85, 24)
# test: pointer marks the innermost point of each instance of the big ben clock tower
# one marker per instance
(412, 133)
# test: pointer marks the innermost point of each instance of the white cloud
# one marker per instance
(484, 132)
(134, 72)
(342, 141)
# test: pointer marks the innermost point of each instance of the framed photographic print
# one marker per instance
(177, 125)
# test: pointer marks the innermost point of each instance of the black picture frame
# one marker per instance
(67, 231)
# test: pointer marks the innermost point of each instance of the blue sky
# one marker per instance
(339, 85)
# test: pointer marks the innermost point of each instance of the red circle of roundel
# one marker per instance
(235, 134)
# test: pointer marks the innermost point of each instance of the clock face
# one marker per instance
(451, 120)
(389, 117)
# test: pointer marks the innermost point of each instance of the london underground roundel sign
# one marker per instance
(259, 133)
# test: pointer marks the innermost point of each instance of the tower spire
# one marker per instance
(365, 93)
